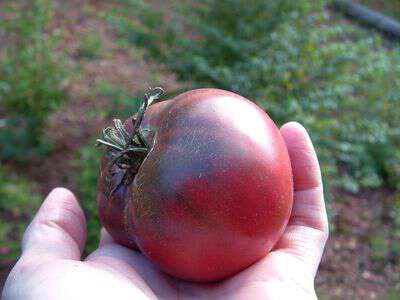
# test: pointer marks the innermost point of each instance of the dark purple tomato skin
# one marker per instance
(213, 195)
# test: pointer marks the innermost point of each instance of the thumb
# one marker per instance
(58, 229)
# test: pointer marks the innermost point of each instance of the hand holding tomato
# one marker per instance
(51, 267)
(200, 184)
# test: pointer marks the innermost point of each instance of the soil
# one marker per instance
(4, 271)
(358, 262)
(351, 268)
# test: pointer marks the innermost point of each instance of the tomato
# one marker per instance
(213, 193)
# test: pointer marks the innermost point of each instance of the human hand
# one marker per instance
(51, 267)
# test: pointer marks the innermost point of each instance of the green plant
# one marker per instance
(122, 104)
(88, 161)
(392, 294)
(136, 22)
(379, 246)
(33, 77)
(91, 45)
(337, 79)
(395, 234)
(18, 203)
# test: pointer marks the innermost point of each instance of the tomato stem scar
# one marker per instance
(127, 148)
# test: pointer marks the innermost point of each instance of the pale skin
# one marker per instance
(51, 266)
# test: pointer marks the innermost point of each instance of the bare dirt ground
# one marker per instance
(358, 262)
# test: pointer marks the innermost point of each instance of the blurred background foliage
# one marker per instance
(340, 82)
(63, 75)
(33, 77)
(18, 200)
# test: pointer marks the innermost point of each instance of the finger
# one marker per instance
(307, 231)
(105, 238)
(58, 229)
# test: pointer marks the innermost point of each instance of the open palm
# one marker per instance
(51, 267)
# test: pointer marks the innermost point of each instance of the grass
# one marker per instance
(33, 77)
(88, 161)
(18, 204)
(91, 46)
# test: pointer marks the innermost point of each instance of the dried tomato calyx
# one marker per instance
(129, 149)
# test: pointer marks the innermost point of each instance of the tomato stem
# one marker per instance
(127, 148)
